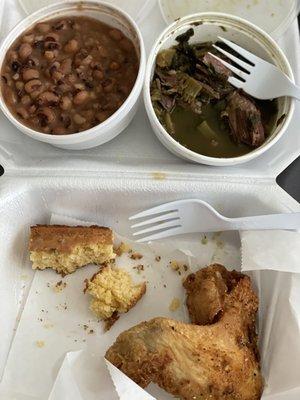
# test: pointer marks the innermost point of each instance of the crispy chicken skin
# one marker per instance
(206, 292)
(216, 361)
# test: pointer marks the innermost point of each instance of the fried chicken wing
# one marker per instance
(217, 360)
(206, 292)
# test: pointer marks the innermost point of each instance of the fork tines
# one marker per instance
(249, 57)
(246, 66)
(232, 68)
(242, 64)
(164, 221)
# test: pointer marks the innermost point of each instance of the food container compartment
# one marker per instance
(274, 17)
(132, 8)
(138, 146)
(108, 202)
(115, 124)
(207, 27)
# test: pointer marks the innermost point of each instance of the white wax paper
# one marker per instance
(58, 349)
(271, 250)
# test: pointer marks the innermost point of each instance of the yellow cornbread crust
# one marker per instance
(66, 248)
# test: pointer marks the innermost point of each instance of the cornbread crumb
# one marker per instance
(122, 248)
(108, 323)
(87, 329)
(48, 325)
(40, 343)
(61, 306)
(59, 286)
(136, 256)
(113, 292)
(175, 304)
(174, 265)
(139, 268)
(178, 267)
(66, 248)
(159, 176)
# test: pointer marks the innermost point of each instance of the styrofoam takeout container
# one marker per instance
(109, 202)
(115, 124)
(207, 27)
(273, 16)
(109, 183)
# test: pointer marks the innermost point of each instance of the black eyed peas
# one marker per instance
(19, 85)
(65, 103)
(26, 100)
(81, 97)
(22, 112)
(43, 28)
(32, 85)
(67, 75)
(79, 119)
(46, 116)
(29, 74)
(72, 46)
(66, 66)
(28, 38)
(25, 50)
(48, 98)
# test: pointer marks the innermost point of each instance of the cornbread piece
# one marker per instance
(113, 293)
(66, 248)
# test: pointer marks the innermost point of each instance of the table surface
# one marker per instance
(288, 179)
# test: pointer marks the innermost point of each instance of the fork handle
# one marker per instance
(290, 221)
(293, 90)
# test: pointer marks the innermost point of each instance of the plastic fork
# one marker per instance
(256, 77)
(187, 216)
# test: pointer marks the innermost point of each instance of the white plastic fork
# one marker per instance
(258, 78)
(188, 216)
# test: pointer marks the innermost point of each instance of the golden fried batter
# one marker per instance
(217, 361)
(206, 292)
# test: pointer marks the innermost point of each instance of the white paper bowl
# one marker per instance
(115, 124)
(207, 27)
